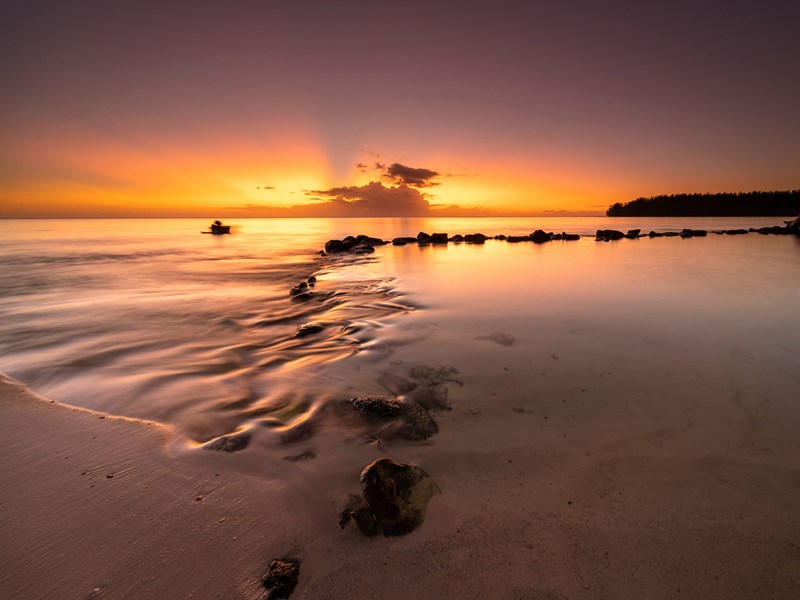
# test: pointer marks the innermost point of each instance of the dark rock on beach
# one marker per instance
(413, 422)
(396, 496)
(229, 443)
(281, 578)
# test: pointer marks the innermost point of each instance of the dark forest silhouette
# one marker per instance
(741, 204)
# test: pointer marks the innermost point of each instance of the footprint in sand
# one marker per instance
(504, 339)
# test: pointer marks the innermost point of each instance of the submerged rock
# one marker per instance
(281, 578)
(309, 329)
(396, 496)
(229, 443)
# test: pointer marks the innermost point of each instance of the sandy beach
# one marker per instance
(643, 507)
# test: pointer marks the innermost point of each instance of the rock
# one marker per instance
(333, 246)
(307, 455)
(653, 234)
(362, 249)
(439, 238)
(281, 578)
(558, 237)
(414, 422)
(571, 237)
(671, 234)
(794, 225)
(686, 233)
(300, 291)
(699, 232)
(423, 238)
(633, 233)
(311, 280)
(475, 238)
(396, 495)
(432, 396)
(513, 239)
(402, 241)
(540, 237)
(608, 234)
(457, 238)
(229, 443)
(736, 231)
(500, 237)
(309, 329)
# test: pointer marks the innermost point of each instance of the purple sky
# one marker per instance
(520, 106)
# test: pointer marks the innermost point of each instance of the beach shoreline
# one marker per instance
(619, 522)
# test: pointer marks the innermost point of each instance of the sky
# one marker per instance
(319, 108)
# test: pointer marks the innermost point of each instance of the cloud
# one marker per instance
(265, 187)
(403, 175)
(371, 200)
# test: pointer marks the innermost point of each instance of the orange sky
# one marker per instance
(206, 111)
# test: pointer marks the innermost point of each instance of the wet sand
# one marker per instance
(544, 495)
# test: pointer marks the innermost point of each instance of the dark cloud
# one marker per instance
(403, 175)
(373, 200)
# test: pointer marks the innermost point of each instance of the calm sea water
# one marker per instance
(151, 319)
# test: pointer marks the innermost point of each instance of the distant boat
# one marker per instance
(217, 228)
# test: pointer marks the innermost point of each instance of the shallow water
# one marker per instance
(150, 319)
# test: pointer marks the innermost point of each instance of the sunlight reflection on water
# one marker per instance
(147, 318)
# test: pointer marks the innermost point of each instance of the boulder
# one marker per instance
(653, 234)
(475, 238)
(438, 238)
(300, 292)
(540, 237)
(402, 241)
(633, 233)
(423, 238)
(571, 237)
(396, 496)
(457, 238)
(513, 239)
(500, 237)
(281, 578)
(362, 249)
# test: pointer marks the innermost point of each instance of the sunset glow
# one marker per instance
(111, 112)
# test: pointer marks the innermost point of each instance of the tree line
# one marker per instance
(741, 204)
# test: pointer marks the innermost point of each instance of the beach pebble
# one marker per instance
(281, 578)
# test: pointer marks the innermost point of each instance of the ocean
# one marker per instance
(147, 318)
